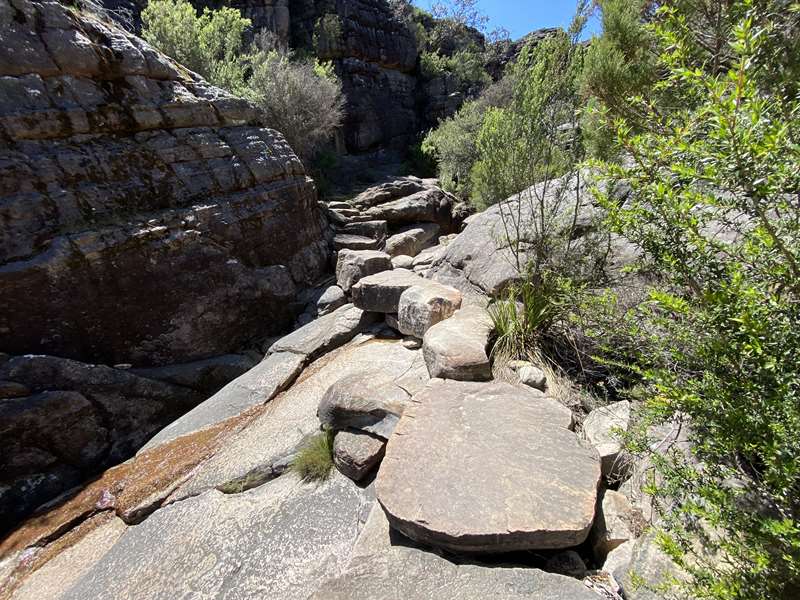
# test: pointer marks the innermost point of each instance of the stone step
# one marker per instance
(456, 348)
(412, 240)
(344, 241)
(376, 230)
(488, 468)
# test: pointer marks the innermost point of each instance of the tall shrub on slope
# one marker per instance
(714, 207)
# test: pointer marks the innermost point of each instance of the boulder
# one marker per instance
(355, 453)
(431, 205)
(391, 190)
(599, 428)
(386, 566)
(331, 299)
(381, 292)
(456, 348)
(567, 563)
(532, 482)
(617, 562)
(648, 569)
(146, 217)
(402, 262)
(410, 241)
(276, 541)
(423, 306)
(13, 389)
(354, 265)
(614, 525)
(368, 401)
(325, 333)
(258, 386)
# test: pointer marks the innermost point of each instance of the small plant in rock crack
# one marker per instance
(314, 462)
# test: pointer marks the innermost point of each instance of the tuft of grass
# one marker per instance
(314, 462)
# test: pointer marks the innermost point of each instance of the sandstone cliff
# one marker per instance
(145, 216)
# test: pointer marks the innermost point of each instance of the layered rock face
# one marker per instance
(145, 216)
(375, 55)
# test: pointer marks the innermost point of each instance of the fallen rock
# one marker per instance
(649, 568)
(617, 562)
(389, 191)
(325, 333)
(331, 299)
(376, 230)
(381, 292)
(355, 453)
(353, 265)
(456, 348)
(532, 482)
(402, 262)
(259, 385)
(386, 566)
(276, 541)
(614, 525)
(430, 205)
(533, 376)
(599, 428)
(369, 401)
(423, 306)
(410, 241)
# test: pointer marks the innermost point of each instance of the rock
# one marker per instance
(372, 229)
(599, 428)
(410, 241)
(207, 376)
(326, 333)
(12, 389)
(353, 265)
(391, 190)
(147, 217)
(533, 376)
(381, 292)
(369, 401)
(78, 420)
(423, 306)
(385, 566)
(431, 205)
(614, 525)
(532, 482)
(258, 386)
(331, 299)
(456, 348)
(276, 541)
(648, 569)
(344, 241)
(410, 342)
(279, 428)
(618, 560)
(402, 262)
(429, 256)
(355, 453)
(567, 563)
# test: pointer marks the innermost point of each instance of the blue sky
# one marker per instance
(523, 16)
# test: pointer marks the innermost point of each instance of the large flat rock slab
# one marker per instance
(488, 468)
(456, 348)
(384, 566)
(292, 415)
(381, 292)
(274, 542)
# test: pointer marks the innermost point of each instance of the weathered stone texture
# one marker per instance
(145, 216)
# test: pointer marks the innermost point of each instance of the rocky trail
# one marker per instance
(158, 243)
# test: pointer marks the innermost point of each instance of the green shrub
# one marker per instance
(314, 462)
(722, 327)
(211, 44)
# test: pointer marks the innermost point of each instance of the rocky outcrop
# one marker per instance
(145, 216)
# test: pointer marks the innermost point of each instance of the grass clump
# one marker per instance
(314, 462)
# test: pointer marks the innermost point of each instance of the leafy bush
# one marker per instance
(211, 44)
(304, 106)
(314, 462)
(715, 183)
(300, 97)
